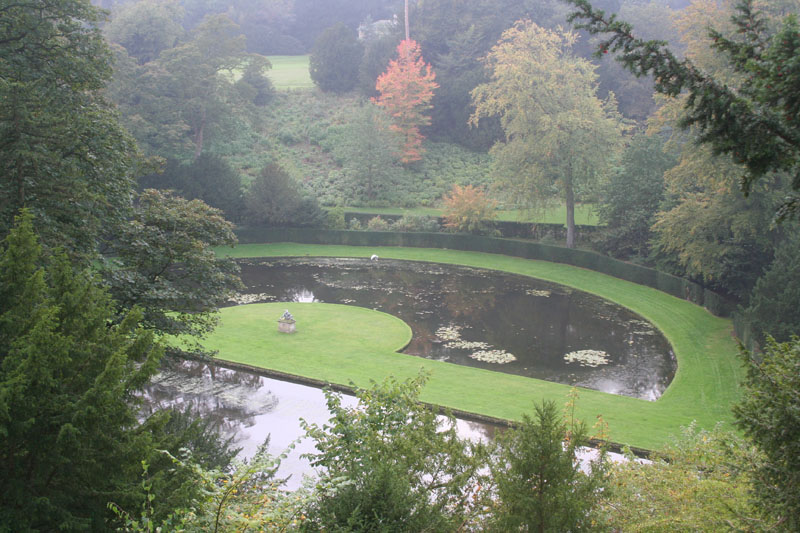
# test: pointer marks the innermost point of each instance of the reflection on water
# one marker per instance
(456, 312)
(251, 408)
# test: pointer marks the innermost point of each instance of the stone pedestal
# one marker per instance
(286, 326)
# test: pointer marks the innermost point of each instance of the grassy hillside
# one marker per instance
(303, 128)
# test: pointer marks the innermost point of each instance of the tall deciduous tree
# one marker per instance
(68, 424)
(146, 28)
(406, 90)
(752, 117)
(62, 152)
(162, 262)
(559, 136)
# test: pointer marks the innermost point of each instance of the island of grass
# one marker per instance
(703, 390)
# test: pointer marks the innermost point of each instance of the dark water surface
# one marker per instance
(465, 315)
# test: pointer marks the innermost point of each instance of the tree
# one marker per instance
(274, 199)
(751, 117)
(162, 262)
(177, 102)
(69, 434)
(406, 89)
(559, 137)
(367, 151)
(335, 58)
(377, 54)
(393, 464)
(208, 178)
(63, 153)
(146, 28)
(698, 482)
(468, 210)
(773, 308)
(632, 197)
(540, 485)
(769, 414)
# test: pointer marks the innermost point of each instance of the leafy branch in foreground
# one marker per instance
(754, 120)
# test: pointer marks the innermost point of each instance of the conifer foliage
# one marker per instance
(406, 90)
(756, 121)
(68, 439)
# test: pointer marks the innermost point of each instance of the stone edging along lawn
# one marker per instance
(704, 389)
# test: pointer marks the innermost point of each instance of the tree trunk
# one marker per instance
(198, 138)
(570, 199)
(406, 21)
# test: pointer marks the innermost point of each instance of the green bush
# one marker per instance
(416, 223)
(377, 224)
(335, 219)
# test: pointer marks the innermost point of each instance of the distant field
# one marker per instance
(557, 215)
(290, 72)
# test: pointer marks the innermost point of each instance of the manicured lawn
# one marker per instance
(704, 387)
(584, 214)
(290, 72)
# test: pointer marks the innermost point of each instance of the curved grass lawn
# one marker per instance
(703, 390)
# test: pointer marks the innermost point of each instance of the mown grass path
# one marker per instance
(704, 388)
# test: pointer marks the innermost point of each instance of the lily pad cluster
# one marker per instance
(537, 292)
(500, 357)
(452, 335)
(593, 358)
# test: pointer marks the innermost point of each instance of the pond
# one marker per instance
(484, 318)
(249, 408)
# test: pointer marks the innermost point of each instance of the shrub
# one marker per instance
(377, 224)
(468, 210)
(335, 219)
(355, 225)
(416, 223)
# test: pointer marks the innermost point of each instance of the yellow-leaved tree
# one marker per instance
(560, 138)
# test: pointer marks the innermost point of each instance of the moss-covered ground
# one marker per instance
(703, 390)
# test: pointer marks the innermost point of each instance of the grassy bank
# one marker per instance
(704, 388)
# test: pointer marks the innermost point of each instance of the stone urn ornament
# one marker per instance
(286, 323)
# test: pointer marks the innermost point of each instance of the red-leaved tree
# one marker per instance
(406, 90)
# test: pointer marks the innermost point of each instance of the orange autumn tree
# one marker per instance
(469, 210)
(406, 90)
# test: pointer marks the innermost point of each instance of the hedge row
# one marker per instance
(670, 284)
(508, 229)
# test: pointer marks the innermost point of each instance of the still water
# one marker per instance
(250, 408)
(484, 318)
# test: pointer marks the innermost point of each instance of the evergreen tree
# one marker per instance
(769, 414)
(753, 118)
(69, 441)
(333, 64)
(540, 485)
(63, 153)
(774, 308)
